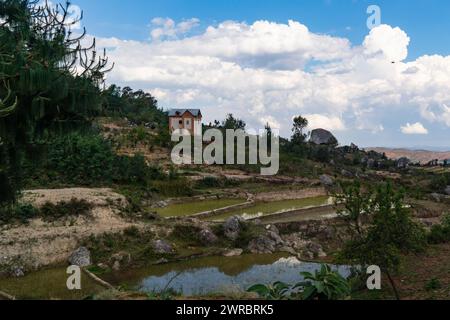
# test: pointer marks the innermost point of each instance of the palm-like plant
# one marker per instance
(324, 284)
(277, 291)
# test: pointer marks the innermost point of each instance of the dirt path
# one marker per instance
(39, 244)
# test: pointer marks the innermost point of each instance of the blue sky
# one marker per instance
(414, 111)
(427, 22)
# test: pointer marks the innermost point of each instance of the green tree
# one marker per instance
(298, 130)
(380, 228)
(49, 82)
(233, 123)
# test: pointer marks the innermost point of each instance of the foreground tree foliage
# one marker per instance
(380, 228)
(49, 81)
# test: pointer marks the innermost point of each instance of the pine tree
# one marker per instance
(48, 80)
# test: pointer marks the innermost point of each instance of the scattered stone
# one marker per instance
(447, 190)
(17, 272)
(160, 204)
(116, 266)
(232, 227)
(119, 259)
(207, 237)
(162, 261)
(80, 257)
(262, 244)
(102, 266)
(436, 196)
(326, 180)
(161, 246)
(316, 250)
(347, 173)
(288, 250)
(322, 136)
(233, 253)
(306, 255)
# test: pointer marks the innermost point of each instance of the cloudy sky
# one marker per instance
(267, 61)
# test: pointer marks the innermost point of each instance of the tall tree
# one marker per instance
(48, 79)
(298, 130)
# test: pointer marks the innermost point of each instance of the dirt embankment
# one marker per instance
(39, 243)
(290, 194)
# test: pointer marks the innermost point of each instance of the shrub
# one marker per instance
(433, 284)
(73, 208)
(173, 188)
(19, 212)
(90, 160)
(440, 233)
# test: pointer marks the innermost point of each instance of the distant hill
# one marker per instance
(422, 156)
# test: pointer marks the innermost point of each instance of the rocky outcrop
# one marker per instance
(232, 227)
(80, 257)
(322, 137)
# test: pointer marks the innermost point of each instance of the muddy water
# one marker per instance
(260, 209)
(48, 284)
(217, 275)
(191, 208)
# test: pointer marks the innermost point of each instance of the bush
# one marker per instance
(433, 284)
(212, 182)
(440, 233)
(19, 212)
(90, 160)
(173, 188)
(73, 208)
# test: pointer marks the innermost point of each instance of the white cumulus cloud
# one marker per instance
(416, 128)
(168, 28)
(270, 72)
(332, 123)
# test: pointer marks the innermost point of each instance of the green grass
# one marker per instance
(190, 208)
(265, 208)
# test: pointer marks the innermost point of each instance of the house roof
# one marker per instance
(179, 112)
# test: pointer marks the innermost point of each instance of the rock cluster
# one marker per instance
(80, 257)
(162, 247)
(232, 227)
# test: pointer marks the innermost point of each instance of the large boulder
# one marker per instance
(322, 136)
(80, 257)
(232, 227)
(326, 180)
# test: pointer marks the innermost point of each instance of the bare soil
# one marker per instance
(40, 244)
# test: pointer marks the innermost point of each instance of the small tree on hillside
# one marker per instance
(380, 228)
(298, 131)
